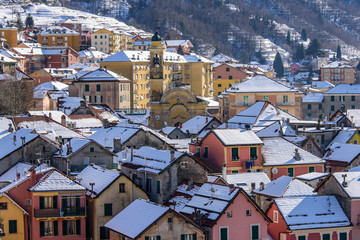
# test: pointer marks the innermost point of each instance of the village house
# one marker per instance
(340, 157)
(51, 74)
(248, 181)
(226, 213)
(108, 193)
(199, 124)
(46, 95)
(173, 132)
(146, 220)
(10, 34)
(337, 72)
(309, 218)
(312, 179)
(107, 41)
(237, 150)
(58, 36)
(159, 172)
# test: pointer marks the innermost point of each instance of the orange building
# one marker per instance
(337, 72)
(10, 35)
(59, 36)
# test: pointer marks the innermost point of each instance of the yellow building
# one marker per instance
(12, 219)
(59, 36)
(110, 41)
(10, 35)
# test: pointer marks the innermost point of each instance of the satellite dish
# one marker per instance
(274, 170)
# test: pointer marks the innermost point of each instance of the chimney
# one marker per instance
(23, 148)
(226, 125)
(206, 120)
(191, 184)
(224, 171)
(10, 129)
(92, 186)
(69, 148)
(297, 154)
(172, 154)
(33, 177)
(117, 145)
(344, 182)
(106, 123)
(50, 115)
(180, 126)
(342, 126)
(252, 186)
(132, 153)
(318, 125)
(262, 186)
(63, 120)
(17, 175)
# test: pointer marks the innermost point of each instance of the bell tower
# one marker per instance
(156, 68)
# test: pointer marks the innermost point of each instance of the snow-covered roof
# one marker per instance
(143, 56)
(354, 116)
(278, 151)
(58, 30)
(196, 124)
(313, 98)
(106, 136)
(4, 126)
(68, 104)
(272, 130)
(321, 84)
(53, 114)
(148, 159)
(352, 180)
(355, 169)
(142, 43)
(55, 181)
(101, 75)
(168, 130)
(84, 121)
(81, 73)
(314, 212)
(136, 218)
(245, 180)
(76, 144)
(19, 168)
(342, 152)
(259, 84)
(345, 89)
(343, 136)
(220, 58)
(100, 176)
(193, 58)
(285, 186)
(311, 176)
(52, 85)
(337, 64)
(237, 137)
(137, 118)
(92, 54)
(176, 43)
(13, 141)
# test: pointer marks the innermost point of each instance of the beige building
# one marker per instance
(337, 72)
(109, 192)
(111, 41)
(102, 86)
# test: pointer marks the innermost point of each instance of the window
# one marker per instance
(48, 228)
(234, 171)
(224, 233)
(12, 226)
(230, 85)
(230, 77)
(352, 106)
(309, 107)
(170, 220)
(352, 98)
(355, 142)
(342, 98)
(301, 238)
(92, 149)
(285, 99)
(311, 169)
(122, 187)
(87, 88)
(255, 233)
(3, 206)
(95, 37)
(246, 100)
(322, 139)
(234, 154)
(219, 77)
(197, 152)
(104, 233)
(206, 151)
(158, 187)
(276, 216)
(229, 214)
(332, 108)
(320, 106)
(326, 236)
(148, 184)
(248, 212)
(266, 98)
(153, 238)
(219, 85)
(98, 87)
(48, 202)
(71, 227)
(108, 209)
(253, 153)
(343, 236)
(290, 172)
(332, 98)
(27, 202)
(228, 69)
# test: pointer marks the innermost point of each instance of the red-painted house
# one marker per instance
(239, 149)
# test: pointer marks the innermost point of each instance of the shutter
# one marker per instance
(64, 227)
(77, 206)
(78, 227)
(158, 237)
(63, 202)
(158, 186)
(56, 232)
(182, 236)
(255, 232)
(42, 229)
(194, 236)
(223, 234)
(55, 202)
(147, 238)
(41, 202)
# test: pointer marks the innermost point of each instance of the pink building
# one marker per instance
(294, 68)
(345, 185)
(309, 218)
(239, 149)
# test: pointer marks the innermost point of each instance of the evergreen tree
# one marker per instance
(244, 56)
(314, 47)
(338, 53)
(180, 51)
(303, 35)
(19, 23)
(358, 67)
(278, 66)
(300, 52)
(288, 39)
(29, 21)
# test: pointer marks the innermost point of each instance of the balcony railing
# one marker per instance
(57, 212)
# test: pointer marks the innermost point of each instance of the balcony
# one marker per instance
(57, 212)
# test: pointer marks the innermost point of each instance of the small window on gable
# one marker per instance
(248, 212)
(122, 187)
(229, 214)
(92, 149)
(276, 216)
